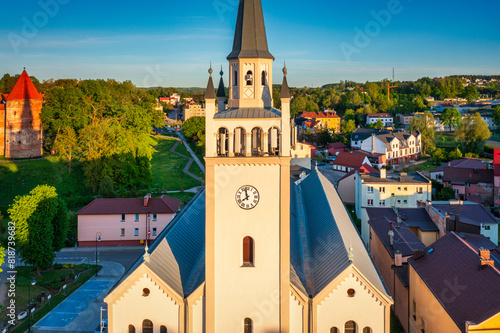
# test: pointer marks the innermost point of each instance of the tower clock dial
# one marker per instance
(247, 197)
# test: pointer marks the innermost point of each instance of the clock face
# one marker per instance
(247, 197)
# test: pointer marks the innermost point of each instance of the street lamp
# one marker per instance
(97, 239)
(29, 304)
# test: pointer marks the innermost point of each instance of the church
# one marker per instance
(257, 251)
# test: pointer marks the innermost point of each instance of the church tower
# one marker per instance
(248, 153)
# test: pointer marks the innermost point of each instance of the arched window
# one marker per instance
(235, 80)
(274, 141)
(248, 251)
(163, 329)
(239, 141)
(147, 326)
(334, 330)
(256, 142)
(223, 142)
(248, 325)
(264, 77)
(351, 327)
(249, 78)
(131, 329)
(367, 330)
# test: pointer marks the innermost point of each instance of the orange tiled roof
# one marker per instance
(24, 89)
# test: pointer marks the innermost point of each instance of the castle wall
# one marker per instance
(23, 129)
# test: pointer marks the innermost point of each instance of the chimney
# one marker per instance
(146, 199)
(398, 259)
(486, 258)
(383, 173)
(391, 235)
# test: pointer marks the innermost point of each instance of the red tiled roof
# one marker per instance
(349, 160)
(163, 205)
(24, 89)
(379, 115)
(336, 145)
(318, 115)
(365, 167)
(446, 105)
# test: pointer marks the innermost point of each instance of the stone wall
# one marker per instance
(23, 129)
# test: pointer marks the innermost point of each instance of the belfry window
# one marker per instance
(248, 325)
(249, 78)
(334, 330)
(235, 79)
(257, 142)
(163, 329)
(274, 141)
(239, 141)
(223, 142)
(248, 251)
(131, 329)
(351, 327)
(147, 326)
(264, 78)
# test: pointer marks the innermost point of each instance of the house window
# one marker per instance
(136, 217)
(247, 325)
(131, 329)
(248, 252)
(399, 189)
(154, 231)
(406, 189)
(456, 191)
(122, 233)
(487, 227)
(123, 217)
(370, 202)
(163, 329)
(155, 217)
(382, 203)
(399, 201)
(405, 202)
(467, 185)
(147, 326)
(420, 190)
(351, 327)
(381, 189)
(370, 189)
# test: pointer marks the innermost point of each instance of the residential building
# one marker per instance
(126, 221)
(346, 162)
(193, 110)
(254, 251)
(328, 118)
(386, 118)
(468, 217)
(454, 286)
(174, 99)
(462, 163)
(487, 117)
(441, 107)
(20, 123)
(405, 120)
(335, 148)
(496, 176)
(470, 184)
(378, 160)
(361, 134)
(398, 146)
(346, 186)
(397, 190)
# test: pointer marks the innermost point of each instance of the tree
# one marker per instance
(347, 127)
(192, 126)
(473, 133)
(470, 93)
(437, 154)
(496, 115)
(349, 115)
(66, 145)
(37, 216)
(106, 188)
(298, 104)
(378, 124)
(446, 194)
(455, 154)
(425, 124)
(451, 117)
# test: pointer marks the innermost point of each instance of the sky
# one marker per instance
(171, 43)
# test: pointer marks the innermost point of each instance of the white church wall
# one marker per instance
(133, 308)
(198, 316)
(296, 316)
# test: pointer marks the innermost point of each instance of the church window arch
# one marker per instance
(249, 78)
(248, 251)
(367, 330)
(248, 325)
(351, 327)
(334, 330)
(240, 135)
(131, 329)
(147, 326)
(163, 329)
(264, 78)
(222, 142)
(257, 141)
(274, 141)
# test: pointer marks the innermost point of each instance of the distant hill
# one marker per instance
(190, 90)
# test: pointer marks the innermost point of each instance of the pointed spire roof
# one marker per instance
(250, 40)
(210, 92)
(221, 91)
(285, 90)
(24, 89)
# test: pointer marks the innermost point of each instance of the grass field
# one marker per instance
(427, 166)
(445, 140)
(167, 167)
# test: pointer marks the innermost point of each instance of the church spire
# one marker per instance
(210, 92)
(285, 90)
(221, 91)
(250, 39)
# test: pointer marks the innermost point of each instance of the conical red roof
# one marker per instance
(24, 89)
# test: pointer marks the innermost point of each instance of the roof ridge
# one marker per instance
(305, 249)
(470, 247)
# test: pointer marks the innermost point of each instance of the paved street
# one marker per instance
(125, 256)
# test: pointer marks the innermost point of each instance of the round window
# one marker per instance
(145, 292)
(351, 293)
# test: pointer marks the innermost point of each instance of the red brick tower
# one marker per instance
(21, 124)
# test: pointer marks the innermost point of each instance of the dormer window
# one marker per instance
(249, 78)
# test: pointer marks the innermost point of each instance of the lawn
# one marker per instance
(427, 166)
(167, 167)
(445, 140)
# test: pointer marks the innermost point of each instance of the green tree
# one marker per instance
(473, 133)
(451, 118)
(470, 93)
(496, 115)
(192, 126)
(66, 145)
(425, 124)
(378, 124)
(455, 154)
(347, 127)
(446, 194)
(37, 215)
(298, 104)
(349, 115)
(437, 154)
(106, 188)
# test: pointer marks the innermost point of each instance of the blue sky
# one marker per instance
(171, 43)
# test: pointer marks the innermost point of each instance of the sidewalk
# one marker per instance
(80, 312)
